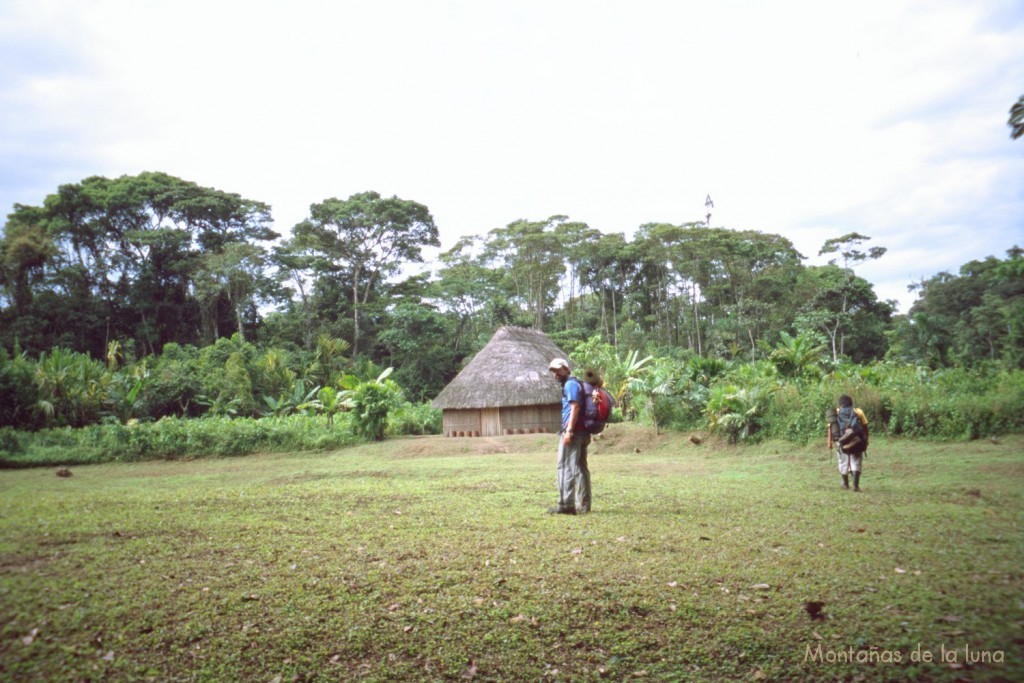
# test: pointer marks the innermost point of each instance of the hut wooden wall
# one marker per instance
(497, 421)
(531, 419)
(461, 422)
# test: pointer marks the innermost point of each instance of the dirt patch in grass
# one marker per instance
(616, 438)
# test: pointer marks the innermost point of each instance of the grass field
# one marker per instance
(433, 559)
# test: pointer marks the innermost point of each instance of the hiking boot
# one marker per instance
(846, 481)
(856, 482)
(561, 511)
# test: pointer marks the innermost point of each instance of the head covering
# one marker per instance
(558, 363)
(845, 401)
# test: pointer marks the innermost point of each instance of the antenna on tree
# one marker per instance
(708, 204)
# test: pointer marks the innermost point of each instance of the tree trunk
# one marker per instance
(355, 320)
(615, 322)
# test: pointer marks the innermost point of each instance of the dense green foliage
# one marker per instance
(966, 320)
(146, 297)
(229, 398)
(169, 439)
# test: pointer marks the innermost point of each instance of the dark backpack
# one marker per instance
(852, 438)
(597, 407)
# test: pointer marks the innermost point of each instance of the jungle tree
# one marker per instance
(360, 242)
(118, 258)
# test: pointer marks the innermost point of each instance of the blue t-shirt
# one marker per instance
(572, 392)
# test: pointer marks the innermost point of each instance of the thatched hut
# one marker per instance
(505, 389)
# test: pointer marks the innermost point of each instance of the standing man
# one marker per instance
(851, 457)
(573, 474)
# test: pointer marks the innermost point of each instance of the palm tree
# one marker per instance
(1016, 122)
(734, 410)
(797, 356)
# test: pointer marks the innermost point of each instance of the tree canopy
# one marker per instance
(151, 260)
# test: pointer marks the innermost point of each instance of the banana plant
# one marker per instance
(654, 386)
(121, 393)
(627, 372)
(371, 403)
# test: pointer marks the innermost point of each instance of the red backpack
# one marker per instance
(597, 407)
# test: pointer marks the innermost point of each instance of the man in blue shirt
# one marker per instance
(573, 474)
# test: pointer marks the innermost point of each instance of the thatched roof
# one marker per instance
(512, 370)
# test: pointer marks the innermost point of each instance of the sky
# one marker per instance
(808, 119)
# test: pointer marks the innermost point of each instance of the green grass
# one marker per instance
(432, 559)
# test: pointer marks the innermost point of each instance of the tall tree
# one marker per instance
(975, 316)
(844, 308)
(574, 238)
(609, 263)
(530, 255)
(470, 290)
(419, 344)
(236, 274)
(832, 307)
(120, 256)
(362, 241)
(25, 249)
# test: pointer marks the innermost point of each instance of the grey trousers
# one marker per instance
(573, 474)
(848, 462)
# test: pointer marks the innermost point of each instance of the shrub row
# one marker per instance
(170, 438)
(946, 406)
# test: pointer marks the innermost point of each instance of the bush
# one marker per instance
(18, 392)
(9, 441)
(372, 403)
(905, 401)
(958, 405)
(171, 438)
(414, 419)
(173, 384)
